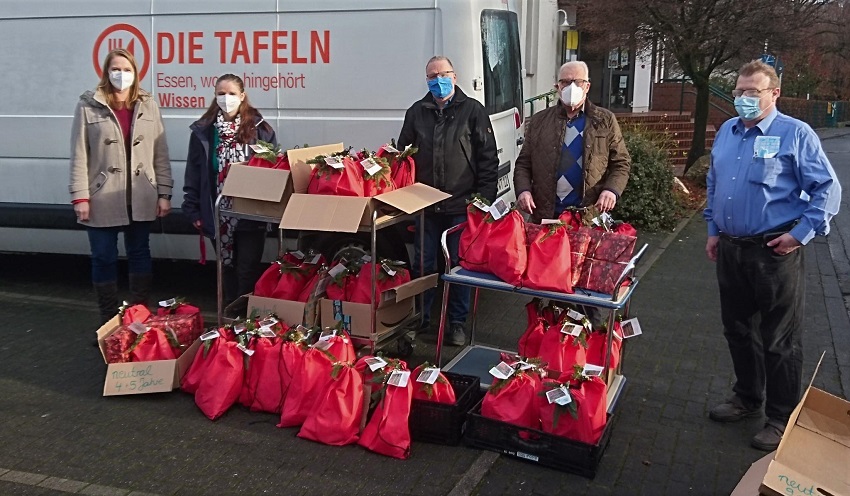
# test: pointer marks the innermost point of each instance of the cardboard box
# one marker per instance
(814, 455)
(142, 377)
(257, 190)
(750, 482)
(345, 213)
(290, 312)
(395, 307)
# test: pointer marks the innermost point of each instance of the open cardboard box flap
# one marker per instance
(411, 288)
(813, 455)
(301, 170)
(290, 312)
(256, 183)
(413, 198)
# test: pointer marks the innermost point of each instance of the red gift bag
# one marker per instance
(134, 313)
(263, 379)
(390, 274)
(347, 181)
(441, 391)
(495, 247)
(561, 351)
(379, 182)
(590, 412)
(117, 345)
(471, 251)
(293, 279)
(514, 400)
(625, 229)
(598, 341)
(192, 378)
(306, 384)
(309, 288)
(267, 282)
(268, 158)
(388, 431)
(549, 266)
(572, 218)
(221, 384)
(402, 165)
(338, 408)
(532, 338)
(154, 344)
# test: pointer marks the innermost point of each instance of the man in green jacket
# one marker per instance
(574, 154)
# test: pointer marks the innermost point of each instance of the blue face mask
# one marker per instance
(748, 107)
(440, 86)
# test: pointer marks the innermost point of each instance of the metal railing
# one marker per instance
(549, 96)
(714, 90)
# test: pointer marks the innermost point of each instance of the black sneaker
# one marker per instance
(733, 410)
(457, 336)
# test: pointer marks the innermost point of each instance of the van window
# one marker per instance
(502, 78)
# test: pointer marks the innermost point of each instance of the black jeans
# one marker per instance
(248, 244)
(761, 304)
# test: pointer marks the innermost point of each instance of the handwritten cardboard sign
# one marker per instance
(140, 377)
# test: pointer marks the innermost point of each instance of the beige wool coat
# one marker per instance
(606, 162)
(99, 165)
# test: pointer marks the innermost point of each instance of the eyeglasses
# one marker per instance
(567, 82)
(435, 75)
(750, 93)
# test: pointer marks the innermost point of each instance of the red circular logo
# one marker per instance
(123, 36)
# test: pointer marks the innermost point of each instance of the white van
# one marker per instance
(319, 71)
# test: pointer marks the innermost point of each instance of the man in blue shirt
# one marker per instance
(771, 189)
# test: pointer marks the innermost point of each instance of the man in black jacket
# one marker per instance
(457, 154)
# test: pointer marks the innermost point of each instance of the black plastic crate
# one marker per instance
(440, 423)
(536, 446)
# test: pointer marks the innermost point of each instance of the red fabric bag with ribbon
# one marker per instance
(598, 341)
(402, 165)
(267, 282)
(291, 360)
(472, 251)
(221, 384)
(441, 391)
(514, 400)
(326, 180)
(338, 408)
(532, 338)
(381, 181)
(262, 377)
(341, 285)
(390, 274)
(134, 313)
(496, 247)
(266, 155)
(549, 266)
(209, 348)
(388, 430)
(561, 351)
(589, 406)
(155, 344)
(293, 278)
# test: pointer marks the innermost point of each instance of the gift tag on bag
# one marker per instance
(259, 148)
(138, 328)
(591, 370)
(429, 375)
(499, 208)
(631, 328)
(168, 303)
(370, 166)
(390, 149)
(334, 162)
(209, 335)
(502, 371)
(245, 350)
(399, 378)
(559, 396)
(375, 363)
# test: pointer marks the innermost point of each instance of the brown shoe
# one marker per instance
(732, 410)
(768, 438)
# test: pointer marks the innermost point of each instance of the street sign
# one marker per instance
(769, 59)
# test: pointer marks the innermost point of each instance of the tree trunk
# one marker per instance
(700, 121)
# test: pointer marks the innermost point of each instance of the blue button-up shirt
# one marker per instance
(747, 196)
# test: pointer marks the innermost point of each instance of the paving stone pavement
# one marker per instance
(60, 436)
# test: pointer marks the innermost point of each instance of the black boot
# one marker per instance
(140, 287)
(107, 299)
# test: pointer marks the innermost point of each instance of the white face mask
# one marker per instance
(228, 103)
(572, 95)
(121, 80)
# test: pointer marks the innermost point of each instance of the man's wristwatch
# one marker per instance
(165, 197)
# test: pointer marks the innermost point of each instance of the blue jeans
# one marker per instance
(104, 250)
(435, 224)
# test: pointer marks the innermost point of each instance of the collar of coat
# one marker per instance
(202, 126)
(429, 103)
(589, 110)
(97, 98)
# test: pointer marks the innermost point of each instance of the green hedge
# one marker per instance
(648, 202)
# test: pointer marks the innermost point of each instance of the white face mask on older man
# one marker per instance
(572, 95)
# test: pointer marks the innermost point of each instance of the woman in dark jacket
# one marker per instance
(219, 138)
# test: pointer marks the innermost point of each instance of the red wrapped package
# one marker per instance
(262, 377)
(380, 181)
(391, 274)
(500, 244)
(514, 400)
(600, 276)
(117, 345)
(579, 243)
(154, 344)
(597, 342)
(177, 307)
(589, 407)
(549, 266)
(306, 384)
(561, 351)
(192, 378)
(625, 229)
(185, 328)
(441, 391)
(221, 383)
(610, 246)
(134, 313)
(338, 408)
(326, 180)
(388, 430)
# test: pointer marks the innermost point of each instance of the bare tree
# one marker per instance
(702, 35)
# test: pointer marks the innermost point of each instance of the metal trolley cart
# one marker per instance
(477, 359)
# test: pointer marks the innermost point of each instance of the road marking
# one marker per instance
(470, 480)
(65, 485)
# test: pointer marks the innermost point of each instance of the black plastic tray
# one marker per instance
(444, 424)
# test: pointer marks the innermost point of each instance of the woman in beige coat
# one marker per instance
(120, 177)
